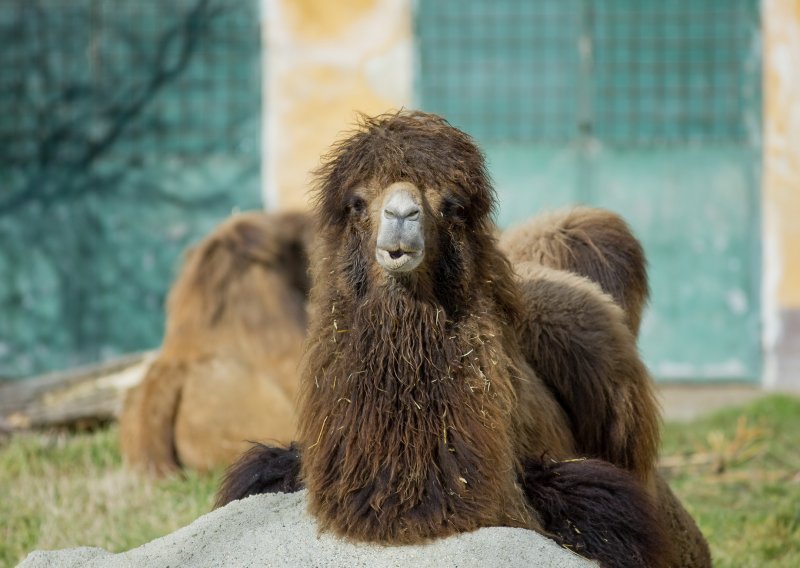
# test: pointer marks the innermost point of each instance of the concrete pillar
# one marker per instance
(781, 193)
(325, 61)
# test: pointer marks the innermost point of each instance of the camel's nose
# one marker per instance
(401, 207)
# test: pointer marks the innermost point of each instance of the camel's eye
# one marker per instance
(356, 205)
(453, 209)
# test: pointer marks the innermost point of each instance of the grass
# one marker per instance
(738, 472)
(60, 490)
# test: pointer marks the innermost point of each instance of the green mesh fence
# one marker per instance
(502, 70)
(128, 128)
(673, 72)
(623, 71)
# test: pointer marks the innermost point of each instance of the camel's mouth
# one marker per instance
(399, 260)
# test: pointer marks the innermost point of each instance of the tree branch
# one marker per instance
(121, 116)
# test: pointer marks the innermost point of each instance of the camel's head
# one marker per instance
(406, 198)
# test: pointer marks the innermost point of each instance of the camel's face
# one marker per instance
(405, 224)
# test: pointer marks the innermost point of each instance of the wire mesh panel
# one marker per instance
(127, 129)
(622, 70)
(672, 72)
(506, 70)
(105, 64)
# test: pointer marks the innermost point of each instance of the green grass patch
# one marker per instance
(738, 472)
(60, 490)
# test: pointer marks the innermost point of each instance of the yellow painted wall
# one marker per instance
(781, 191)
(326, 60)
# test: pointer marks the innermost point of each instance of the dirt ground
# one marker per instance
(682, 402)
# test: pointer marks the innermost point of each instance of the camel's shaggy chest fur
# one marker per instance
(407, 426)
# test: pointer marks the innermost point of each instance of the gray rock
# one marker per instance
(276, 531)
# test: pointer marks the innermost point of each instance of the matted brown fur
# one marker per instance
(594, 243)
(576, 339)
(579, 505)
(688, 547)
(228, 368)
(410, 417)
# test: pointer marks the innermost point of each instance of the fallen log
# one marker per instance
(75, 397)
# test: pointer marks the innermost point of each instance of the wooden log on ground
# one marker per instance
(74, 397)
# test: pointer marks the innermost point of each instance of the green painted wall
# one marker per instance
(649, 109)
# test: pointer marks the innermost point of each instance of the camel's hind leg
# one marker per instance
(147, 422)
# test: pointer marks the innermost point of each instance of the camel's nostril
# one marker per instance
(395, 254)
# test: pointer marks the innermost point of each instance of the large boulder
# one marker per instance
(275, 530)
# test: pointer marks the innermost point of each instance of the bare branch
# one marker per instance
(120, 114)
